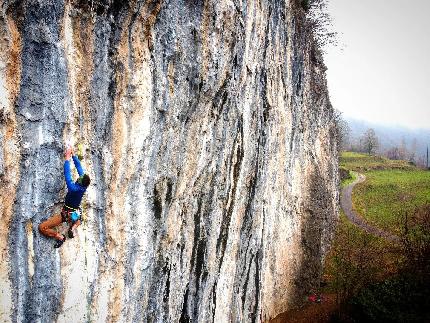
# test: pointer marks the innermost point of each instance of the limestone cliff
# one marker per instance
(210, 141)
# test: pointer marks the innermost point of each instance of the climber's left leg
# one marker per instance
(46, 227)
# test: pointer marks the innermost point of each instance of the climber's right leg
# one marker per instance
(46, 227)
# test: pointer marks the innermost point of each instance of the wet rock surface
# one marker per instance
(209, 137)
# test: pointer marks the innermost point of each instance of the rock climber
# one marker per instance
(71, 212)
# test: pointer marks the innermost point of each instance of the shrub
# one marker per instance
(416, 239)
(305, 5)
(404, 298)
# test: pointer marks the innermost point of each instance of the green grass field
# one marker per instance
(388, 194)
(372, 278)
(391, 188)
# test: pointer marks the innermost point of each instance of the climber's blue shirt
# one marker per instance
(75, 190)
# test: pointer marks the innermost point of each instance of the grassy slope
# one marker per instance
(363, 162)
(357, 259)
(391, 188)
(351, 246)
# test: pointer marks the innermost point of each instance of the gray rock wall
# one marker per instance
(209, 137)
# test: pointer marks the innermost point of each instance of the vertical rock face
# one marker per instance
(210, 141)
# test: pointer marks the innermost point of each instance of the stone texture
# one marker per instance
(210, 141)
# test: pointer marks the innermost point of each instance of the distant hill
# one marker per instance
(414, 140)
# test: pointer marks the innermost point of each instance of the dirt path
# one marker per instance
(354, 217)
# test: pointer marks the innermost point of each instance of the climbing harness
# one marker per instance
(75, 216)
(70, 213)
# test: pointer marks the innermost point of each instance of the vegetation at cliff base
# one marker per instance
(355, 258)
(376, 280)
(405, 295)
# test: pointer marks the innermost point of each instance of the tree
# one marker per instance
(319, 22)
(403, 149)
(343, 131)
(370, 141)
(413, 152)
(394, 153)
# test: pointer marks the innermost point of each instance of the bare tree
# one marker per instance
(413, 152)
(343, 131)
(370, 141)
(319, 22)
(403, 149)
(393, 153)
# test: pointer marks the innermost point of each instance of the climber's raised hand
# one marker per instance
(68, 154)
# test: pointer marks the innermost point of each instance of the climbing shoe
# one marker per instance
(70, 234)
(59, 243)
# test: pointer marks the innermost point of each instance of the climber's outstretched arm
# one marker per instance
(68, 174)
(78, 165)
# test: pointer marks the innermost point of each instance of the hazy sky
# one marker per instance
(383, 72)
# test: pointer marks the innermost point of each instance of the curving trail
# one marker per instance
(354, 217)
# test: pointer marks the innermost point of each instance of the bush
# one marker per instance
(416, 239)
(344, 174)
(355, 261)
(305, 5)
(404, 298)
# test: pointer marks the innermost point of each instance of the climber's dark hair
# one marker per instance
(85, 180)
